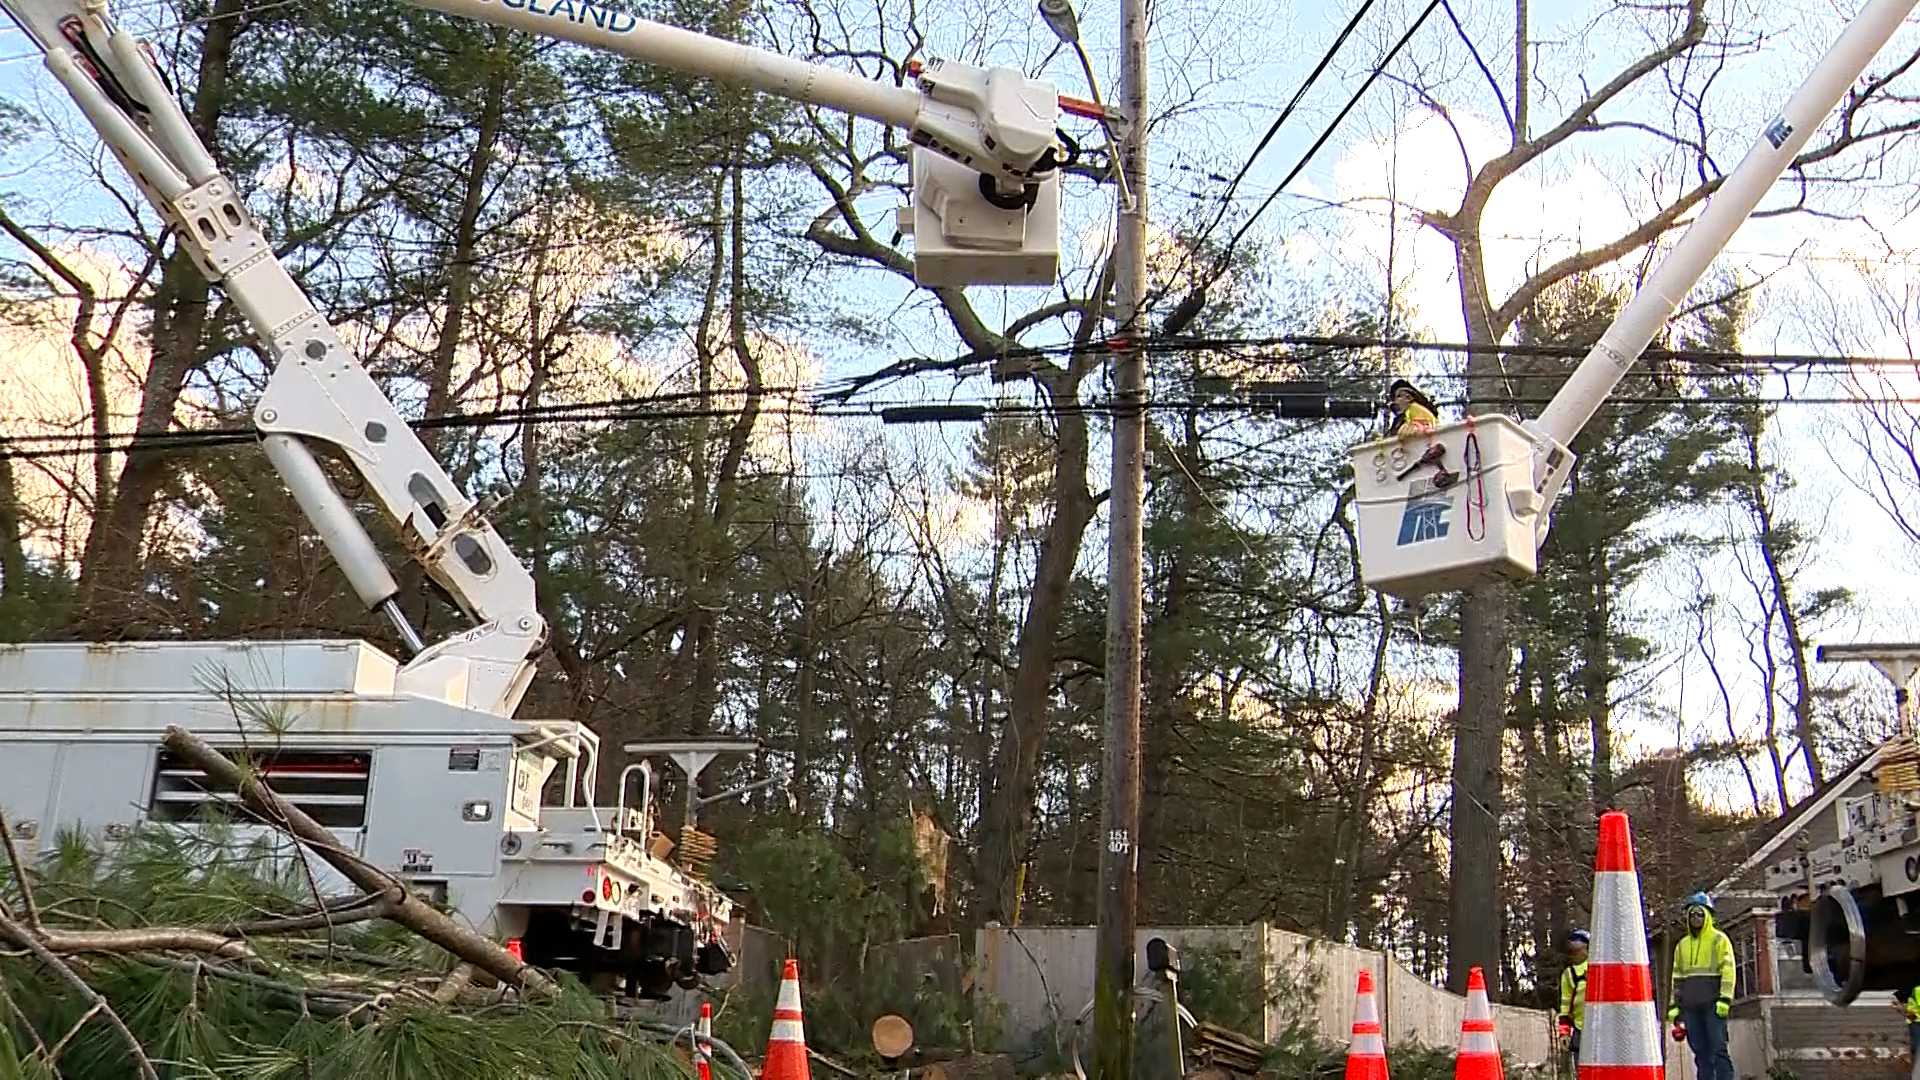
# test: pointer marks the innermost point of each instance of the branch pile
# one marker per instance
(213, 954)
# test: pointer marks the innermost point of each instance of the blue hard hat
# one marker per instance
(1580, 936)
(1699, 900)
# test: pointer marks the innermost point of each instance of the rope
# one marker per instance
(1477, 496)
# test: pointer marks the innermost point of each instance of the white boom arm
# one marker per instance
(1633, 329)
(1471, 504)
(994, 120)
(994, 125)
(319, 391)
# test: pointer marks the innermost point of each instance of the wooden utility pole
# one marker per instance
(1119, 855)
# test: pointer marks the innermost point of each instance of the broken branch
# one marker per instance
(24, 937)
(407, 908)
(27, 906)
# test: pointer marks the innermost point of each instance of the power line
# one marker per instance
(1190, 305)
(598, 412)
(1313, 76)
(1726, 362)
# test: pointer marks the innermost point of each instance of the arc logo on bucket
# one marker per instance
(1425, 518)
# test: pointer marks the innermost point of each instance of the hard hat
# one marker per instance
(1419, 398)
(1578, 935)
(1699, 900)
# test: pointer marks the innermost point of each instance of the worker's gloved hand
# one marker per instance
(1722, 1007)
(1566, 1027)
(1679, 1032)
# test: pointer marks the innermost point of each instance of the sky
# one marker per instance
(1222, 71)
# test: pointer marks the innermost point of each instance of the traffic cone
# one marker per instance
(1367, 1053)
(787, 1043)
(703, 1043)
(1479, 1055)
(1621, 1037)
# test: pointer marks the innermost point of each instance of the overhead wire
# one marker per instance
(71, 444)
(1190, 305)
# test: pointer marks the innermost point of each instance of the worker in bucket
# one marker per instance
(1703, 990)
(1573, 993)
(1413, 412)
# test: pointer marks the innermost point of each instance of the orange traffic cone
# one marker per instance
(787, 1044)
(1479, 1054)
(703, 1043)
(1367, 1054)
(1621, 1038)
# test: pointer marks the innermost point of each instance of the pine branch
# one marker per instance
(20, 935)
(359, 909)
(28, 908)
(407, 908)
(146, 939)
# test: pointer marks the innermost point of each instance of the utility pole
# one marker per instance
(1119, 854)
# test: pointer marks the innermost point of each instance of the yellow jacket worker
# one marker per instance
(1413, 411)
(1703, 989)
(1573, 991)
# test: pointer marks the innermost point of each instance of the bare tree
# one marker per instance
(1680, 68)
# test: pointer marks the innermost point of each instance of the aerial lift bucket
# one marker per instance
(1454, 507)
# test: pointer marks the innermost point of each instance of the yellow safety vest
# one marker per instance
(1703, 968)
(1573, 993)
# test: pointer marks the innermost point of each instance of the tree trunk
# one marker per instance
(1596, 682)
(699, 657)
(806, 704)
(1166, 656)
(1766, 539)
(1473, 886)
(13, 556)
(1008, 823)
(466, 237)
(110, 567)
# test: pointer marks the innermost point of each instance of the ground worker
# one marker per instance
(1907, 1000)
(1703, 990)
(1573, 993)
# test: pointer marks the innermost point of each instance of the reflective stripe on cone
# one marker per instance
(1478, 1057)
(1367, 1053)
(787, 1043)
(1621, 1037)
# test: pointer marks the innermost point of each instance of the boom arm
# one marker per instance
(1633, 329)
(994, 120)
(1473, 504)
(993, 125)
(319, 391)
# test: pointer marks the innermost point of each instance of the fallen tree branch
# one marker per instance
(456, 981)
(722, 1052)
(152, 939)
(53, 1054)
(359, 909)
(829, 1063)
(25, 937)
(27, 906)
(407, 909)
